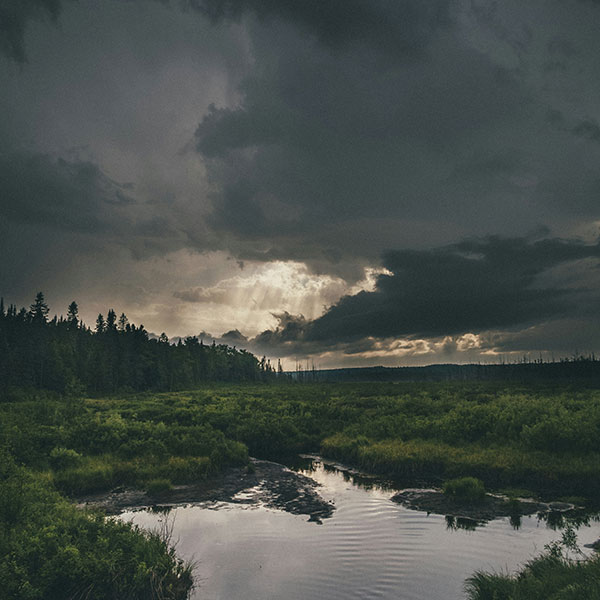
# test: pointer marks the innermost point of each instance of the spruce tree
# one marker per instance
(111, 320)
(39, 309)
(73, 315)
(100, 324)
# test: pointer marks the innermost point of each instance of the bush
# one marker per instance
(186, 469)
(466, 489)
(86, 479)
(52, 550)
(156, 487)
(64, 458)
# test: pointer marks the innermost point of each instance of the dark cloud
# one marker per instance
(589, 129)
(290, 329)
(327, 159)
(472, 286)
(14, 17)
(469, 287)
(319, 132)
(564, 337)
(234, 338)
(72, 195)
(396, 25)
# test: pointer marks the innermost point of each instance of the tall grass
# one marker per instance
(535, 437)
(547, 577)
(50, 550)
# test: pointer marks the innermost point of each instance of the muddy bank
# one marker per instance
(264, 483)
(491, 507)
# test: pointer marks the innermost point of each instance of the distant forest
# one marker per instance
(577, 367)
(65, 355)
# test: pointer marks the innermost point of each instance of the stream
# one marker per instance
(369, 547)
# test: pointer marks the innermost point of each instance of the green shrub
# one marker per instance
(51, 550)
(85, 479)
(465, 489)
(155, 487)
(186, 469)
(64, 458)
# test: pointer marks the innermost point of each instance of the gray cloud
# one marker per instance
(200, 295)
(325, 133)
(72, 195)
(393, 25)
(14, 17)
(589, 129)
(469, 287)
(331, 157)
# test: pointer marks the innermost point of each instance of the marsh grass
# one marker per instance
(543, 438)
(51, 550)
(547, 577)
(465, 489)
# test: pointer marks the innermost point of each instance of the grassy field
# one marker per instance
(542, 438)
(546, 439)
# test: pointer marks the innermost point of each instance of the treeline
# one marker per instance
(65, 355)
(577, 367)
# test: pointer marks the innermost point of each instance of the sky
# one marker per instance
(353, 182)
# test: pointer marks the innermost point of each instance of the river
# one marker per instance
(370, 547)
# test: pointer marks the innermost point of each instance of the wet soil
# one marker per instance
(491, 507)
(263, 483)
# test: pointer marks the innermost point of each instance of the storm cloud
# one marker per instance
(365, 179)
(74, 195)
(474, 286)
(397, 26)
(471, 286)
(14, 16)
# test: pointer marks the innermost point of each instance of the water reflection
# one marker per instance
(370, 547)
(455, 523)
(555, 519)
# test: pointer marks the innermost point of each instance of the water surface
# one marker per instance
(370, 548)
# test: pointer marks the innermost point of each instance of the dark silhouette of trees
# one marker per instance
(39, 309)
(100, 324)
(73, 315)
(64, 355)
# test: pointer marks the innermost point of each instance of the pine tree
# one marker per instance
(111, 320)
(73, 315)
(100, 324)
(39, 309)
(123, 322)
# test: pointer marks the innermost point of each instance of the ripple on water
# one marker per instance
(370, 548)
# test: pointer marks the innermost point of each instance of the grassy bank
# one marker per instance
(50, 550)
(543, 438)
(544, 578)
(558, 574)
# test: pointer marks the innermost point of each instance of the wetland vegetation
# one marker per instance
(101, 410)
(542, 438)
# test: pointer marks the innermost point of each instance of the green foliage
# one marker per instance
(491, 431)
(50, 550)
(63, 458)
(504, 435)
(548, 577)
(155, 487)
(465, 489)
(65, 356)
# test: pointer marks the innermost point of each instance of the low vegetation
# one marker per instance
(51, 550)
(558, 574)
(465, 489)
(542, 438)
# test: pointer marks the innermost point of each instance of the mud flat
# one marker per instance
(266, 483)
(491, 507)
